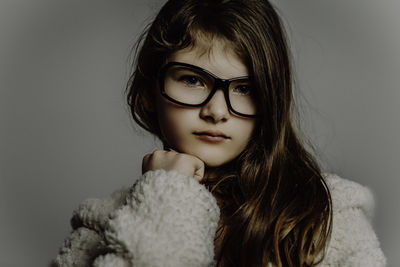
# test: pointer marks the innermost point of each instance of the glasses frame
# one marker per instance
(218, 84)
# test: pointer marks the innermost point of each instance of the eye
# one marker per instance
(243, 89)
(191, 80)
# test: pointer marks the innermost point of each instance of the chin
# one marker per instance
(213, 161)
(214, 164)
(213, 157)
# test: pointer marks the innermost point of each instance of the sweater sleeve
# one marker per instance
(353, 241)
(165, 219)
(169, 219)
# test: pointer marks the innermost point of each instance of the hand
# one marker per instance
(172, 160)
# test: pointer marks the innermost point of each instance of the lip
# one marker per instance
(212, 133)
(211, 136)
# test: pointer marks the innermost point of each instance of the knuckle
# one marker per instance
(156, 153)
(181, 157)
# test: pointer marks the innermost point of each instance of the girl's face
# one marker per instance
(196, 130)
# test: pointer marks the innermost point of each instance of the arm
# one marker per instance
(169, 219)
(165, 219)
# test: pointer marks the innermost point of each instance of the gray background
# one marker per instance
(65, 133)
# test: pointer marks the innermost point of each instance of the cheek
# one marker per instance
(174, 123)
(246, 131)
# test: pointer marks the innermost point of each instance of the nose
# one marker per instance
(216, 110)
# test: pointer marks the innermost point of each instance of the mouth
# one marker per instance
(212, 134)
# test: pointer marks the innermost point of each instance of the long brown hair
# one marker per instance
(275, 206)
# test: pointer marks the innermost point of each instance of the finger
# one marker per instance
(199, 169)
(145, 163)
(199, 174)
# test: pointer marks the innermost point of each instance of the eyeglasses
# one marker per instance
(192, 86)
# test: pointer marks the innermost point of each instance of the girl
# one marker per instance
(233, 186)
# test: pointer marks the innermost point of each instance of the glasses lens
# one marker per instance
(187, 85)
(192, 86)
(241, 96)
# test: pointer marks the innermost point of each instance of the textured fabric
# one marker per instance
(169, 219)
(353, 242)
(165, 219)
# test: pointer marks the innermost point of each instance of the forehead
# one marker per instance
(213, 54)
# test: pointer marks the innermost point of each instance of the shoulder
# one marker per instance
(353, 240)
(93, 213)
(87, 241)
(348, 194)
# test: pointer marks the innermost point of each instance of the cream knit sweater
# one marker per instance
(169, 219)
